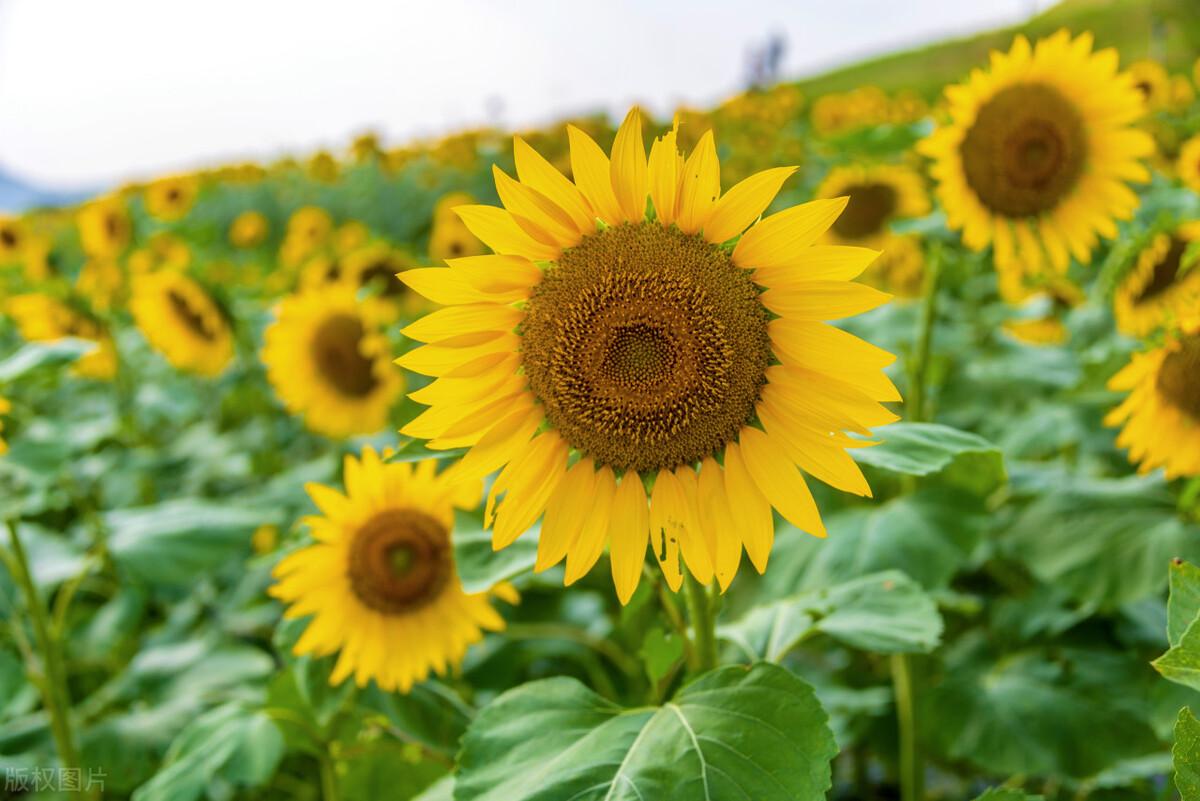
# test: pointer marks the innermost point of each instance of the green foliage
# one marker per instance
(1186, 754)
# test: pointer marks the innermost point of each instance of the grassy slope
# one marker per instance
(1167, 30)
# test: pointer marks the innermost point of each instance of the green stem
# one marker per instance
(53, 682)
(918, 384)
(704, 625)
(329, 786)
(911, 770)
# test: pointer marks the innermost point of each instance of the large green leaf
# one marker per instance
(170, 542)
(480, 567)
(1186, 755)
(1008, 794)
(36, 355)
(1183, 604)
(922, 449)
(884, 612)
(734, 733)
(1106, 542)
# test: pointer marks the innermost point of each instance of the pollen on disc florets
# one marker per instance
(336, 349)
(1025, 151)
(646, 346)
(1179, 377)
(400, 560)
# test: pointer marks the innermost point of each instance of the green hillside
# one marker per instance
(1167, 30)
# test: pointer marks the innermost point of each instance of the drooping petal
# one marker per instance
(744, 203)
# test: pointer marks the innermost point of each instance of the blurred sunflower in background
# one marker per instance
(592, 361)
(1188, 165)
(171, 198)
(5, 408)
(104, 227)
(13, 239)
(1160, 418)
(308, 229)
(1164, 283)
(380, 583)
(329, 361)
(182, 321)
(249, 229)
(163, 251)
(1153, 81)
(1041, 322)
(450, 238)
(42, 318)
(101, 281)
(374, 267)
(1036, 158)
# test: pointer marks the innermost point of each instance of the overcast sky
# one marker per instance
(94, 92)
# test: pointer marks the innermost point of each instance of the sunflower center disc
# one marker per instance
(189, 316)
(399, 561)
(336, 350)
(1166, 270)
(1179, 377)
(8, 237)
(1025, 151)
(870, 207)
(382, 275)
(646, 346)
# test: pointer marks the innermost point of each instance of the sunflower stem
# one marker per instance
(704, 624)
(53, 682)
(919, 364)
(329, 786)
(911, 770)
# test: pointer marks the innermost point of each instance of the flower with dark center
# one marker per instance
(328, 360)
(1038, 154)
(379, 582)
(182, 321)
(638, 383)
(1163, 285)
(1160, 416)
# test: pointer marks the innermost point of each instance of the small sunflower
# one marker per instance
(1153, 81)
(249, 229)
(329, 361)
(104, 227)
(1160, 418)
(602, 352)
(13, 239)
(1038, 153)
(308, 229)
(380, 582)
(182, 321)
(878, 196)
(450, 238)
(1164, 283)
(1188, 165)
(374, 267)
(42, 318)
(171, 198)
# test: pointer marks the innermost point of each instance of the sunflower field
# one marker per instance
(819, 445)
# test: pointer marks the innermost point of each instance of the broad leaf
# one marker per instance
(479, 566)
(1183, 605)
(36, 355)
(884, 612)
(922, 449)
(1008, 794)
(1186, 755)
(733, 733)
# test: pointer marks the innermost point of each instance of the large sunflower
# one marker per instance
(1164, 283)
(42, 318)
(182, 321)
(329, 361)
(1161, 415)
(380, 581)
(1038, 153)
(648, 380)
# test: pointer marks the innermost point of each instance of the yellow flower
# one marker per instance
(264, 539)
(1189, 164)
(42, 318)
(350, 235)
(1038, 153)
(324, 167)
(450, 238)
(307, 230)
(879, 195)
(380, 583)
(590, 361)
(164, 251)
(171, 198)
(1055, 296)
(375, 267)
(329, 361)
(1160, 418)
(13, 239)
(100, 281)
(1151, 79)
(1182, 93)
(900, 268)
(37, 261)
(5, 408)
(1164, 284)
(104, 227)
(249, 229)
(182, 321)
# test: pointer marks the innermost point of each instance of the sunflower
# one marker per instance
(171, 198)
(1189, 164)
(249, 229)
(1164, 283)
(1048, 303)
(101, 282)
(380, 581)
(42, 318)
(104, 227)
(1161, 415)
(350, 235)
(164, 251)
(182, 321)
(1153, 82)
(450, 238)
(5, 408)
(878, 196)
(602, 351)
(308, 229)
(13, 239)
(375, 266)
(1037, 154)
(329, 361)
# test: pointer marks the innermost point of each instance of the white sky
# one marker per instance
(95, 91)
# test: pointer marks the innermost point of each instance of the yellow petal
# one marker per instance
(697, 551)
(510, 277)
(781, 238)
(439, 360)
(536, 172)
(500, 443)
(780, 482)
(628, 534)
(667, 521)
(744, 203)
(818, 263)
(701, 185)
(528, 485)
(591, 169)
(628, 167)
(661, 175)
(500, 231)
(587, 546)
(566, 514)
(819, 346)
(465, 319)
(823, 300)
(440, 285)
(752, 508)
(816, 453)
(716, 518)
(528, 203)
